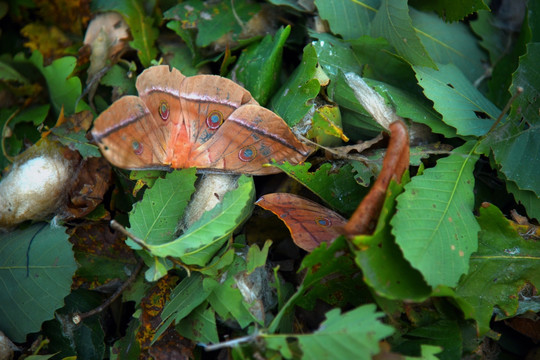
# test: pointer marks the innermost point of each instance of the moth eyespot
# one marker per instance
(214, 120)
(137, 147)
(323, 222)
(164, 110)
(247, 154)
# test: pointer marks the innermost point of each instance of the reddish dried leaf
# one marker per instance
(396, 161)
(526, 326)
(310, 224)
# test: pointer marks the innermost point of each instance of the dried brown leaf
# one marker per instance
(396, 161)
(309, 223)
(93, 180)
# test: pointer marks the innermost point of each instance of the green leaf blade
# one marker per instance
(200, 326)
(335, 55)
(450, 43)
(64, 89)
(517, 140)
(381, 260)
(338, 189)
(347, 18)
(434, 225)
(227, 299)
(352, 335)
(393, 23)
(155, 218)
(30, 298)
(455, 10)
(294, 99)
(259, 66)
(200, 242)
(460, 103)
(502, 265)
(219, 19)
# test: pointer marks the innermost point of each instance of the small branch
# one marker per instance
(341, 152)
(519, 91)
(78, 317)
(232, 342)
(118, 227)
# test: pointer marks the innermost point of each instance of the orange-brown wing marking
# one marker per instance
(159, 87)
(310, 223)
(249, 138)
(207, 102)
(126, 137)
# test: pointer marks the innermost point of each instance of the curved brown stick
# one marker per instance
(395, 162)
(78, 317)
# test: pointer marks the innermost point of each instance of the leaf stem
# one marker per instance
(519, 91)
(4, 151)
(118, 227)
(237, 18)
(78, 317)
(233, 342)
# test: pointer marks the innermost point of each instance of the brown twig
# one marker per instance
(117, 226)
(78, 317)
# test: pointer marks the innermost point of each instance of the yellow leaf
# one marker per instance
(48, 40)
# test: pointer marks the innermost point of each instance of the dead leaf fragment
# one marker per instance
(170, 343)
(93, 180)
(529, 327)
(396, 161)
(309, 223)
